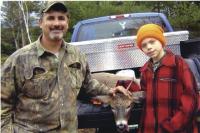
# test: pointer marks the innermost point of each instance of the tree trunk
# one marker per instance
(15, 40)
(25, 19)
(23, 38)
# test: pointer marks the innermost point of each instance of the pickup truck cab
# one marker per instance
(116, 26)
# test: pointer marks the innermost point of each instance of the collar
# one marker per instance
(41, 50)
(167, 60)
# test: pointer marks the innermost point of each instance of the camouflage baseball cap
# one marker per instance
(54, 5)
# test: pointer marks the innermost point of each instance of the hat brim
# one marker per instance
(57, 6)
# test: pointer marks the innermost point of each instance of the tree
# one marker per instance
(25, 17)
(187, 16)
(183, 15)
(15, 20)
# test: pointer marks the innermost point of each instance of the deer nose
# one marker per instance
(122, 126)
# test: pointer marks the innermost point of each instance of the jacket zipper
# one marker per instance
(155, 103)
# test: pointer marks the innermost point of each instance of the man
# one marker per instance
(40, 82)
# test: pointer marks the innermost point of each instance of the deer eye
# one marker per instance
(128, 108)
(113, 109)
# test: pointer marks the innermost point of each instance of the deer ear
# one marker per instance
(138, 96)
(103, 98)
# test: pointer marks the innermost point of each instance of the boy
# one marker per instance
(171, 90)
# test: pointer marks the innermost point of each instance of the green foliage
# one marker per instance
(183, 15)
(35, 32)
(186, 16)
(13, 25)
(7, 42)
(3, 58)
(7, 48)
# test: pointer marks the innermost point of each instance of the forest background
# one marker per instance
(19, 19)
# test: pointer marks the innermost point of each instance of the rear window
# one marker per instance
(115, 28)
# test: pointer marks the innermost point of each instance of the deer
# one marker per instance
(120, 104)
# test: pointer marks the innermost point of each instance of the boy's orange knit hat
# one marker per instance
(152, 31)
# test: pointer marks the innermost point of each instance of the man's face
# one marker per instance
(54, 25)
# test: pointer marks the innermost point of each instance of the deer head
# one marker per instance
(121, 106)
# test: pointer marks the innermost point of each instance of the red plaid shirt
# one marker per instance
(171, 97)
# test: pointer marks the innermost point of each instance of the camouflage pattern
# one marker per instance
(39, 90)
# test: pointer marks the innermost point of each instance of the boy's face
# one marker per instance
(152, 48)
(54, 25)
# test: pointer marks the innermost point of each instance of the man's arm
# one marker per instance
(92, 86)
(7, 95)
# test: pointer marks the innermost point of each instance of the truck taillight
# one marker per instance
(120, 16)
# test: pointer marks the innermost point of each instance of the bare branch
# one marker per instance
(25, 18)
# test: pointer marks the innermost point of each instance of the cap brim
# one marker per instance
(57, 6)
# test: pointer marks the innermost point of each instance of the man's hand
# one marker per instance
(120, 89)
